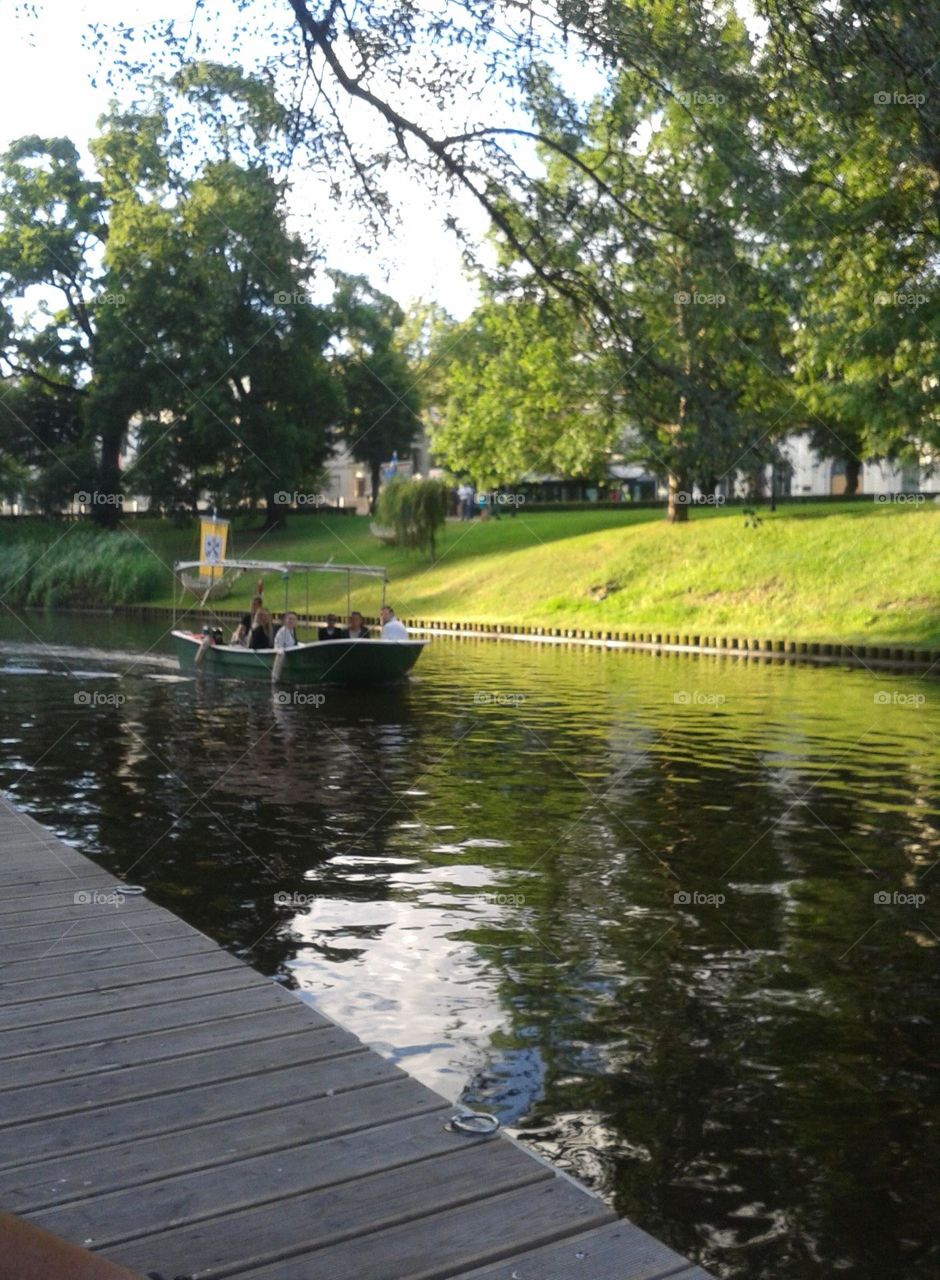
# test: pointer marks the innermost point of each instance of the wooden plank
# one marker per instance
(175, 1075)
(243, 992)
(31, 851)
(184, 1200)
(124, 951)
(442, 1244)
(47, 1012)
(36, 880)
(25, 848)
(80, 917)
(87, 928)
(619, 1249)
(68, 943)
(277, 1076)
(63, 1178)
(207, 959)
(220, 1245)
(33, 904)
(115, 1056)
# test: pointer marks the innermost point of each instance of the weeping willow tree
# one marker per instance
(415, 509)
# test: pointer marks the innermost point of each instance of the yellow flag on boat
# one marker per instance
(213, 543)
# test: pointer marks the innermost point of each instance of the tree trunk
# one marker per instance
(274, 515)
(853, 471)
(376, 473)
(677, 510)
(107, 505)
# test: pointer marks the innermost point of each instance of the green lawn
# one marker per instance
(853, 572)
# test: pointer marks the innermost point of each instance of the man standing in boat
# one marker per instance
(392, 629)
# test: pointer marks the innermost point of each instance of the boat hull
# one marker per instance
(359, 662)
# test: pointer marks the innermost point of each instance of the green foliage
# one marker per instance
(415, 509)
(853, 113)
(382, 404)
(527, 392)
(185, 328)
(80, 568)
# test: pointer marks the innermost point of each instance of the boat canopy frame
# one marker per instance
(285, 568)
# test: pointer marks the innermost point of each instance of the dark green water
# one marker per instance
(630, 904)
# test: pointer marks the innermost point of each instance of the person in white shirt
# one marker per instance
(392, 629)
(286, 636)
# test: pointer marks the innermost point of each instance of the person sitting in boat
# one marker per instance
(392, 629)
(262, 631)
(286, 636)
(357, 628)
(332, 631)
(242, 632)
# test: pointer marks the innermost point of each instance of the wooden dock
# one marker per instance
(165, 1105)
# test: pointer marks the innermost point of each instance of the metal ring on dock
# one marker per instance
(477, 1123)
(130, 890)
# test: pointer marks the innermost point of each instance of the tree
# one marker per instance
(52, 229)
(812, 155)
(645, 221)
(852, 125)
(242, 372)
(415, 509)
(187, 328)
(382, 400)
(525, 393)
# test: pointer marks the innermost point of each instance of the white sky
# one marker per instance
(46, 88)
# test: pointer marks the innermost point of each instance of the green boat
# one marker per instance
(351, 662)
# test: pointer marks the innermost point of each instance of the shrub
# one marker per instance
(82, 567)
(415, 509)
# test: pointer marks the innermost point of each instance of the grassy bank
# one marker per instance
(860, 571)
(71, 566)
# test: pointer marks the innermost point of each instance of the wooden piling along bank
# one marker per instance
(659, 641)
(166, 1106)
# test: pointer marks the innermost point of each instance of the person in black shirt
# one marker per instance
(262, 632)
(357, 628)
(331, 631)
